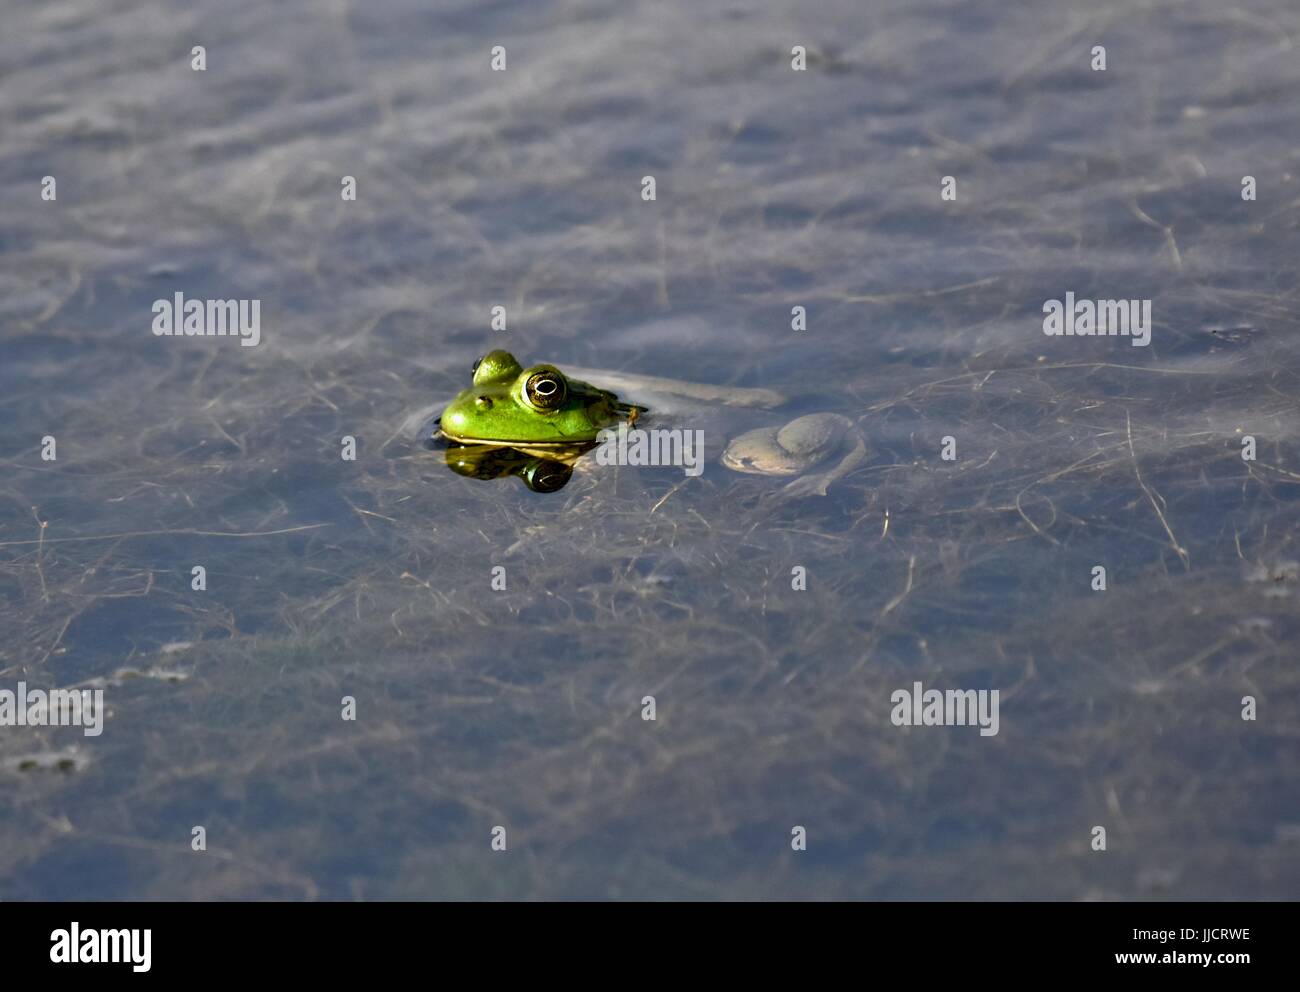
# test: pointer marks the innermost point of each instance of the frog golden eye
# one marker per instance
(546, 389)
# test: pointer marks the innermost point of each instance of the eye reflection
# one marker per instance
(538, 473)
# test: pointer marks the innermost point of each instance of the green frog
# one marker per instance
(551, 416)
(534, 408)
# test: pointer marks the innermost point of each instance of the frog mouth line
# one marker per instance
(628, 411)
(493, 442)
(518, 443)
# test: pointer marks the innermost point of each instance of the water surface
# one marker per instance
(371, 578)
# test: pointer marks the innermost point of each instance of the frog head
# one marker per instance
(511, 405)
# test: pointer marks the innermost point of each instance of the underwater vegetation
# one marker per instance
(372, 578)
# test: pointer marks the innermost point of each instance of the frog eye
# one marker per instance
(477, 362)
(546, 389)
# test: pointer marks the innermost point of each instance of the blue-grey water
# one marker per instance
(523, 708)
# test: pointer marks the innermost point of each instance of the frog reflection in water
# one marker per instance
(545, 420)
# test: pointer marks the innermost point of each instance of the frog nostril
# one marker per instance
(484, 403)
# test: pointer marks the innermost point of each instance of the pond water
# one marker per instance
(522, 707)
